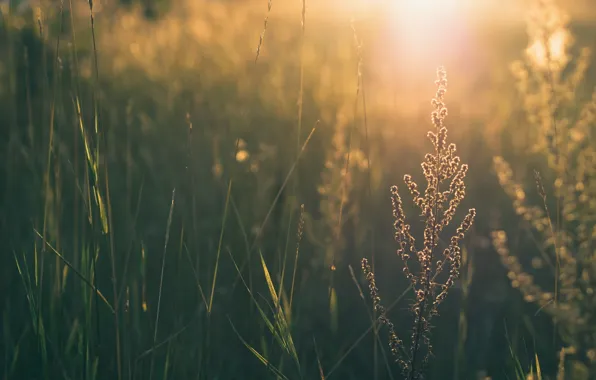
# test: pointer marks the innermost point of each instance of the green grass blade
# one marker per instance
(79, 274)
(261, 358)
(221, 235)
(102, 210)
(538, 369)
(280, 318)
(163, 264)
(272, 291)
(264, 317)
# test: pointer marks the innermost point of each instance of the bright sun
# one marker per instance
(423, 8)
(414, 10)
(427, 14)
(425, 28)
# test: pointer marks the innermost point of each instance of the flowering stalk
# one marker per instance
(438, 208)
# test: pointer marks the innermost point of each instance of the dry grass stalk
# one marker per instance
(438, 206)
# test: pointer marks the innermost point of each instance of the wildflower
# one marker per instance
(438, 205)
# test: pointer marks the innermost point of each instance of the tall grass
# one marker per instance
(277, 158)
(560, 120)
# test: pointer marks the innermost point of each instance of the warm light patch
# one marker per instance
(410, 13)
(428, 30)
(556, 52)
(417, 10)
(426, 15)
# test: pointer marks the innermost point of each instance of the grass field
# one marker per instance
(205, 190)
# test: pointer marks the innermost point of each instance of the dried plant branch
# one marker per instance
(438, 208)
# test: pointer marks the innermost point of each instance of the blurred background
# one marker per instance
(155, 156)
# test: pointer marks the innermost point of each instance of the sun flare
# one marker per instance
(428, 29)
(422, 9)
(426, 15)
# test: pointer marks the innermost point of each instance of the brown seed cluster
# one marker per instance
(395, 343)
(445, 190)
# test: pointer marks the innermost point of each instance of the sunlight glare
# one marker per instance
(428, 29)
(556, 53)
(427, 14)
(422, 8)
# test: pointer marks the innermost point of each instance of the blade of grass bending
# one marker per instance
(320, 367)
(280, 318)
(272, 291)
(298, 241)
(281, 278)
(168, 365)
(168, 339)
(221, 235)
(248, 258)
(76, 271)
(363, 335)
(196, 276)
(266, 320)
(283, 186)
(163, 264)
(261, 358)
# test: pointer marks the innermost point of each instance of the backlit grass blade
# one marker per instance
(79, 274)
(261, 358)
(264, 317)
(280, 317)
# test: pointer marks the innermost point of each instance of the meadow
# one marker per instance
(224, 189)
